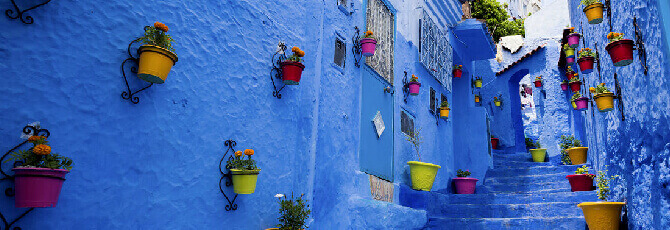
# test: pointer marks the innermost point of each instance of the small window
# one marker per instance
(406, 123)
(340, 52)
(433, 100)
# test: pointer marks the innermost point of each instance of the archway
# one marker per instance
(515, 106)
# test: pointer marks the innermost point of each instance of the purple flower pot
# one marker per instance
(465, 185)
(564, 86)
(368, 46)
(38, 187)
(570, 60)
(573, 40)
(414, 88)
(582, 103)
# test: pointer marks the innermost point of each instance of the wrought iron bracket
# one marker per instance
(129, 94)
(230, 144)
(639, 45)
(26, 19)
(609, 13)
(597, 60)
(619, 97)
(356, 48)
(405, 87)
(276, 71)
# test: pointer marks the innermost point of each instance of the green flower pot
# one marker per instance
(244, 181)
(538, 154)
(423, 175)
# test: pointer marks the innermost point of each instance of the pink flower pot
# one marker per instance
(38, 187)
(368, 46)
(564, 86)
(582, 103)
(573, 40)
(570, 60)
(586, 64)
(465, 185)
(621, 52)
(414, 88)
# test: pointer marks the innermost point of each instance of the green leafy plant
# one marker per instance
(600, 88)
(498, 98)
(588, 2)
(492, 136)
(603, 182)
(238, 162)
(444, 105)
(156, 35)
(40, 156)
(297, 54)
(582, 170)
(415, 139)
(566, 142)
(414, 78)
(613, 37)
(538, 78)
(498, 21)
(294, 212)
(529, 143)
(478, 78)
(564, 82)
(586, 52)
(537, 144)
(458, 66)
(569, 70)
(575, 79)
(567, 47)
(575, 96)
(461, 173)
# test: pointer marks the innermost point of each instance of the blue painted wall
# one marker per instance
(154, 164)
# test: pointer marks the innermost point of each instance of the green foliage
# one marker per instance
(583, 170)
(529, 143)
(238, 162)
(458, 66)
(156, 37)
(414, 78)
(575, 79)
(498, 98)
(498, 21)
(461, 173)
(586, 52)
(415, 139)
(567, 47)
(569, 69)
(29, 158)
(537, 144)
(565, 143)
(588, 2)
(575, 96)
(564, 82)
(445, 104)
(293, 212)
(538, 78)
(600, 88)
(603, 182)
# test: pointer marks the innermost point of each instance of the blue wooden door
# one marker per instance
(376, 147)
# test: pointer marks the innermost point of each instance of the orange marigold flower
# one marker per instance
(603, 84)
(368, 33)
(593, 90)
(35, 138)
(238, 153)
(42, 149)
(295, 49)
(300, 53)
(248, 152)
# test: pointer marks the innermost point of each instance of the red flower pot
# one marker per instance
(621, 52)
(538, 84)
(291, 72)
(564, 86)
(586, 64)
(569, 75)
(38, 187)
(576, 86)
(581, 182)
(465, 185)
(494, 143)
(458, 73)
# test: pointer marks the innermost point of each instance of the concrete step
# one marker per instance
(562, 223)
(534, 170)
(545, 209)
(519, 164)
(527, 187)
(525, 179)
(511, 198)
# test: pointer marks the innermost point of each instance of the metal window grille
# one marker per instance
(380, 21)
(340, 53)
(436, 53)
(432, 100)
(406, 123)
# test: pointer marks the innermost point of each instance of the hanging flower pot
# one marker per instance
(594, 13)
(244, 172)
(291, 68)
(570, 60)
(578, 155)
(620, 50)
(368, 44)
(564, 86)
(538, 84)
(603, 97)
(573, 40)
(38, 187)
(463, 183)
(497, 103)
(423, 175)
(457, 72)
(156, 55)
(477, 99)
(581, 103)
(478, 82)
(569, 52)
(569, 73)
(414, 86)
(444, 109)
(575, 85)
(494, 142)
(586, 65)
(602, 215)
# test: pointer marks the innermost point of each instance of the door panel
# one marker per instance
(376, 152)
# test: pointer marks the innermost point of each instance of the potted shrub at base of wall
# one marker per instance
(294, 212)
(368, 44)
(244, 172)
(478, 82)
(538, 82)
(538, 153)
(586, 60)
(422, 174)
(603, 97)
(291, 68)
(568, 142)
(564, 85)
(579, 103)
(578, 154)
(444, 109)
(463, 183)
(593, 10)
(494, 142)
(620, 50)
(602, 215)
(458, 71)
(39, 179)
(414, 86)
(581, 180)
(156, 54)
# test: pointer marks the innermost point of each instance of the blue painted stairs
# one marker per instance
(516, 194)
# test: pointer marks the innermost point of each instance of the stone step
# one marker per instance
(527, 187)
(519, 164)
(535, 170)
(524, 179)
(562, 223)
(546, 209)
(511, 198)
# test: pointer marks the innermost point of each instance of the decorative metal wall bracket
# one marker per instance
(597, 60)
(405, 87)
(609, 13)
(619, 97)
(276, 72)
(356, 48)
(29, 131)
(26, 19)
(639, 45)
(231, 206)
(129, 94)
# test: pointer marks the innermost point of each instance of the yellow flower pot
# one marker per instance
(423, 175)
(602, 215)
(244, 181)
(574, 105)
(594, 13)
(478, 83)
(578, 155)
(155, 63)
(538, 154)
(605, 101)
(476, 99)
(444, 112)
(498, 103)
(569, 52)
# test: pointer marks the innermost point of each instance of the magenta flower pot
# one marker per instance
(582, 103)
(573, 40)
(38, 187)
(368, 46)
(570, 60)
(414, 88)
(564, 86)
(465, 185)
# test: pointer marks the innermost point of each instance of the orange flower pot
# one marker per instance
(578, 155)
(594, 13)
(602, 215)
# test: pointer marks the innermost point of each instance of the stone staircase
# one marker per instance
(516, 194)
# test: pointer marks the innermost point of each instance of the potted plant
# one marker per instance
(494, 142)
(458, 71)
(586, 59)
(577, 153)
(444, 109)
(537, 152)
(569, 73)
(498, 100)
(156, 54)
(575, 84)
(478, 82)
(529, 143)
(603, 97)
(538, 81)
(423, 174)
(463, 183)
(581, 180)
(368, 44)
(477, 98)
(565, 143)
(593, 10)
(414, 86)
(564, 85)
(578, 102)
(292, 67)
(569, 52)
(294, 213)
(244, 172)
(603, 214)
(620, 50)
(573, 38)
(39, 179)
